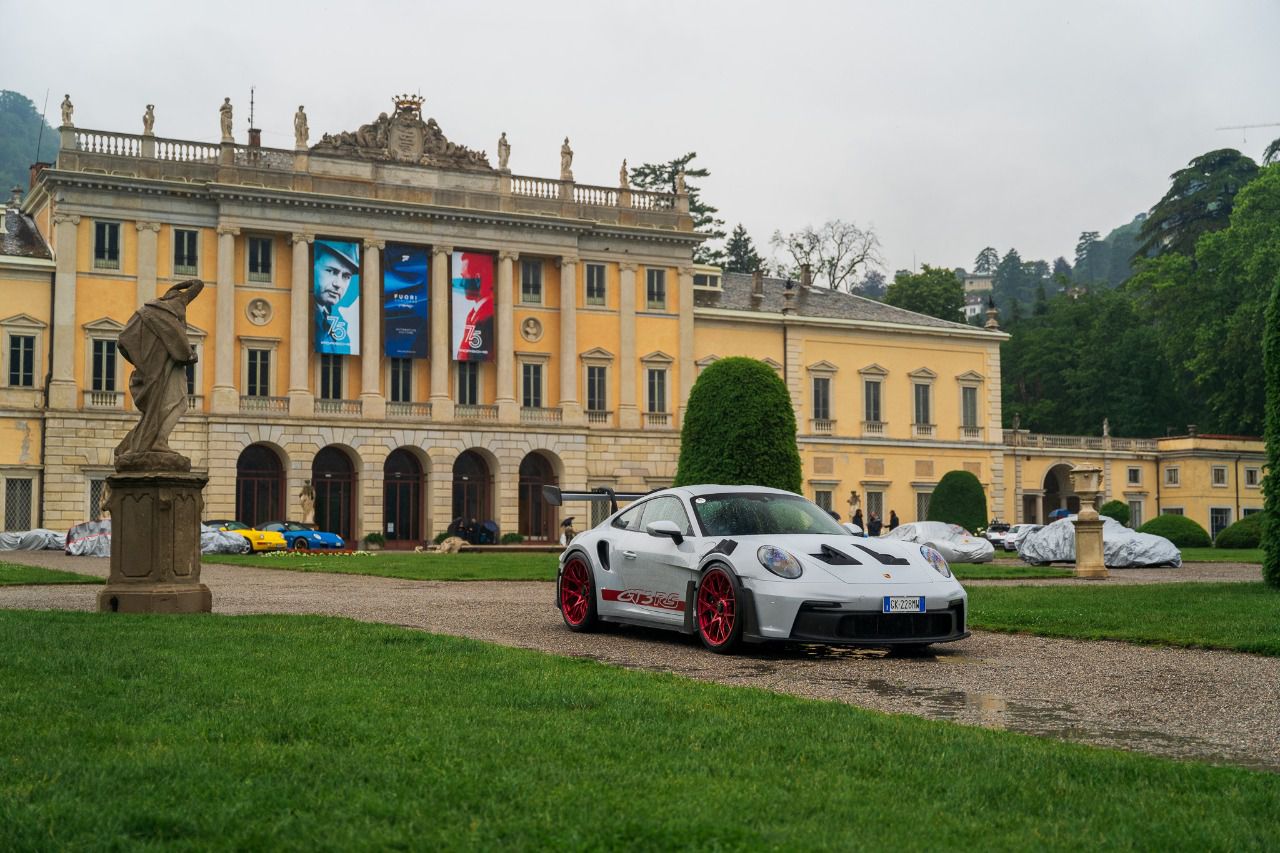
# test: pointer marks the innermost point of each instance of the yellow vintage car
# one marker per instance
(259, 540)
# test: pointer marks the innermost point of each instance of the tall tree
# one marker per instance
(836, 253)
(1271, 482)
(1199, 201)
(740, 253)
(987, 261)
(1061, 267)
(22, 141)
(934, 291)
(873, 285)
(1008, 283)
(1086, 256)
(1272, 154)
(662, 177)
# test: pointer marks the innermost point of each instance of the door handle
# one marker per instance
(630, 555)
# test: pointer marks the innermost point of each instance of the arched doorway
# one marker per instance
(402, 490)
(537, 517)
(1057, 492)
(334, 479)
(260, 485)
(472, 489)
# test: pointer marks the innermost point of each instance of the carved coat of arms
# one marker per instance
(404, 138)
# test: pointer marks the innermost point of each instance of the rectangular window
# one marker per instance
(17, 503)
(922, 404)
(1253, 477)
(1219, 520)
(969, 406)
(1248, 511)
(330, 376)
(531, 383)
(185, 260)
(657, 390)
(871, 401)
(106, 245)
(191, 380)
(1219, 475)
(922, 506)
(1171, 477)
(1173, 510)
(104, 365)
(468, 383)
(597, 393)
(822, 497)
(595, 284)
(22, 362)
(401, 380)
(1135, 476)
(1135, 514)
(259, 379)
(259, 259)
(97, 491)
(531, 282)
(875, 505)
(821, 398)
(655, 289)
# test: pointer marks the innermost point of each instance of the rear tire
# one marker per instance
(718, 614)
(577, 595)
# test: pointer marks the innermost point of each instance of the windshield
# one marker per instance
(757, 513)
(293, 525)
(235, 525)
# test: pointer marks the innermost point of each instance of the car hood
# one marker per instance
(851, 559)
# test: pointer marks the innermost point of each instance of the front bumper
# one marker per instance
(819, 622)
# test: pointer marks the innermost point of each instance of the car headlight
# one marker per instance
(936, 560)
(779, 562)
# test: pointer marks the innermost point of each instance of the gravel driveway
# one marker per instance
(1208, 705)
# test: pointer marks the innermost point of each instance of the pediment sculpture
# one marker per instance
(404, 137)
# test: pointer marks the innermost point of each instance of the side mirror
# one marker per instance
(665, 528)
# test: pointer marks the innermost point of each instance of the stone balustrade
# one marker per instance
(541, 415)
(1041, 441)
(475, 413)
(274, 405)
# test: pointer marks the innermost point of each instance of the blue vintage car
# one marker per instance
(304, 537)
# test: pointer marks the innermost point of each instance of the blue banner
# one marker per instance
(335, 293)
(404, 302)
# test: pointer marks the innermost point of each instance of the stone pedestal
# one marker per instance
(1089, 552)
(155, 544)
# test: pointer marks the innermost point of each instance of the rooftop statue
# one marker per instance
(300, 129)
(566, 161)
(504, 150)
(149, 120)
(155, 342)
(224, 116)
(67, 109)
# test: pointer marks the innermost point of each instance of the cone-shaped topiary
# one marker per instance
(1271, 482)
(739, 429)
(1245, 533)
(958, 499)
(1178, 529)
(1119, 510)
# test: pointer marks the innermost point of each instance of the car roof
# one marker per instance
(715, 489)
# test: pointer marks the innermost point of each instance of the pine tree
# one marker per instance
(661, 177)
(740, 252)
(987, 261)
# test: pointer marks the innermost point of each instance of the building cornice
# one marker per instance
(840, 322)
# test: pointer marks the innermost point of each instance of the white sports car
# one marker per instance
(956, 544)
(753, 564)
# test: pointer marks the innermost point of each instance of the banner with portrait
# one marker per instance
(335, 296)
(473, 306)
(404, 302)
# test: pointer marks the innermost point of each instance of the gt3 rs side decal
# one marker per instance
(644, 598)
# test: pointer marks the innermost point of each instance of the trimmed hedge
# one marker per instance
(511, 539)
(1178, 529)
(1270, 484)
(1245, 533)
(958, 499)
(739, 429)
(1119, 510)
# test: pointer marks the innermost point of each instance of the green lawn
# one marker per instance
(1242, 617)
(311, 732)
(15, 574)
(500, 566)
(990, 571)
(1222, 555)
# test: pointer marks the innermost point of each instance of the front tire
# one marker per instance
(301, 545)
(718, 615)
(578, 595)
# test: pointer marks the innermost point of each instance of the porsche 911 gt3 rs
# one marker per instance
(737, 564)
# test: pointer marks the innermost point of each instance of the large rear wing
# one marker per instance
(554, 496)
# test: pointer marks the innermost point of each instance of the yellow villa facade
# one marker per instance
(600, 324)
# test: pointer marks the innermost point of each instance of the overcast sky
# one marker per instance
(945, 126)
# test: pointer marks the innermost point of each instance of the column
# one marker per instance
(146, 280)
(62, 386)
(372, 403)
(508, 410)
(226, 398)
(628, 414)
(301, 401)
(570, 408)
(441, 402)
(684, 359)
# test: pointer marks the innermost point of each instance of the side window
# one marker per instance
(667, 509)
(630, 520)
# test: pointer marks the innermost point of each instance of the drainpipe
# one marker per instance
(1235, 474)
(44, 403)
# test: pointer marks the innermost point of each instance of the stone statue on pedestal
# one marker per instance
(624, 181)
(155, 342)
(307, 502)
(300, 129)
(504, 150)
(681, 189)
(566, 161)
(224, 116)
(1106, 428)
(67, 110)
(149, 120)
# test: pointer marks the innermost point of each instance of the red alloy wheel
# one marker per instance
(575, 592)
(717, 608)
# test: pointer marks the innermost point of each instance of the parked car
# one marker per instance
(737, 564)
(1121, 547)
(996, 532)
(955, 543)
(304, 537)
(214, 540)
(259, 540)
(1017, 533)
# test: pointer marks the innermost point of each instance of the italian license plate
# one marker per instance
(904, 604)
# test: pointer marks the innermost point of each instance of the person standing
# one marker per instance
(893, 520)
(874, 525)
(857, 519)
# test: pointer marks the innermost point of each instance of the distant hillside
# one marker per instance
(1110, 260)
(19, 132)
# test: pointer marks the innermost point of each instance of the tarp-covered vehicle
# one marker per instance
(33, 540)
(955, 543)
(93, 539)
(1121, 547)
